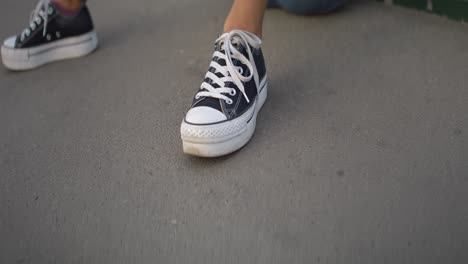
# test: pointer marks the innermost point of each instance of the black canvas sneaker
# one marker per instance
(50, 36)
(224, 111)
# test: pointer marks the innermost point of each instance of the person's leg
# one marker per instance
(246, 15)
(57, 30)
(308, 7)
(69, 4)
(223, 114)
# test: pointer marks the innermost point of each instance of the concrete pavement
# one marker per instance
(360, 155)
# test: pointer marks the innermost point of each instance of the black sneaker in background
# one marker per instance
(224, 111)
(50, 36)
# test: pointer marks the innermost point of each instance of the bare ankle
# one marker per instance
(69, 4)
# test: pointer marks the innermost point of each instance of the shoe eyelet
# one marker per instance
(197, 97)
(229, 102)
(233, 92)
(240, 70)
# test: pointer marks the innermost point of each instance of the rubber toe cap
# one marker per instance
(203, 115)
(10, 42)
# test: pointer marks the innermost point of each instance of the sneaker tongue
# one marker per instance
(236, 43)
(219, 46)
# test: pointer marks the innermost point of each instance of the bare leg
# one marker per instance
(246, 15)
(69, 4)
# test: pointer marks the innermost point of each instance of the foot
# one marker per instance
(50, 36)
(224, 111)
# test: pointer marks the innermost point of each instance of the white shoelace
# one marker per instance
(231, 73)
(38, 16)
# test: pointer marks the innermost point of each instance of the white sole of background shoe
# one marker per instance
(30, 58)
(225, 143)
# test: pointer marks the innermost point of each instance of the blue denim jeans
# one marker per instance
(307, 7)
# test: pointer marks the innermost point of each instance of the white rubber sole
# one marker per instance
(225, 143)
(30, 58)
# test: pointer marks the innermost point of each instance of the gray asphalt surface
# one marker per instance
(360, 155)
